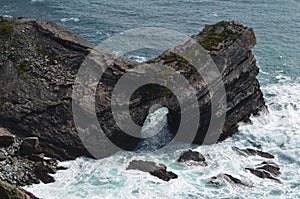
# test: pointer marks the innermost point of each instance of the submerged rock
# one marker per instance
(219, 180)
(249, 151)
(271, 167)
(158, 170)
(268, 170)
(192, 157)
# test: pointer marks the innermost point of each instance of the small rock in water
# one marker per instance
(270, 167)
(249, 151)
(6, 138)
(158, 170)
(193, 157)
(219, 180)
(268, 170)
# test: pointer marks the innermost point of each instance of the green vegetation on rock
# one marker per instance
(172, 57)
(21, 68)
(166, 91)
(6, 29)
(215, 34)
(42, 52)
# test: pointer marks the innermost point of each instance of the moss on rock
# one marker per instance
(42, 52)
(213, 35)
(6, 29)
(22, 67)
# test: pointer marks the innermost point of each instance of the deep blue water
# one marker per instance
(277, 27)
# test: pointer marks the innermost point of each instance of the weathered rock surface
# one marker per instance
(192, 157)
(6, 138)
(8, 191)
(158, 170)
(39, 61)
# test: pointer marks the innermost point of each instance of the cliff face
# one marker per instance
(39, 62)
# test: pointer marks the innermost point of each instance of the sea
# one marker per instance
(277, 26)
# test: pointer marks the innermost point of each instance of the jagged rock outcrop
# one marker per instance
(39, 62)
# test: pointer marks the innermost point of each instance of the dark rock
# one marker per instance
(61, 168)
(158, 170)
(192, 156)
(29, 145)
(262, 174)
(266, 169)
(42, 172)
(6, 138)
(270, 167)
(219, 180)
(249, 151)
(37, 157)
(42, 70)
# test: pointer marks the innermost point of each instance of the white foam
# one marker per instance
(33, 1)
(276, 132)
(75, 19)
(137, 58)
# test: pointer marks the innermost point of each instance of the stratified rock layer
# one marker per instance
(38, 66)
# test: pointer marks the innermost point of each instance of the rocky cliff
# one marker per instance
(38, 66)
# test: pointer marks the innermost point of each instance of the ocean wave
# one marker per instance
(276, 132)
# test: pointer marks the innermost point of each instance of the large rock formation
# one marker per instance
(39, 62)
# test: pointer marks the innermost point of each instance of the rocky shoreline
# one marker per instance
(38, 65)
(22, 163)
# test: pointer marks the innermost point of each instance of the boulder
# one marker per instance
(29, 146)
(6, 138)
(192, 157)
(42, 172)
(158, 170)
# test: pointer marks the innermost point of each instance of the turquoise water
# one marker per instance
(277, 27)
